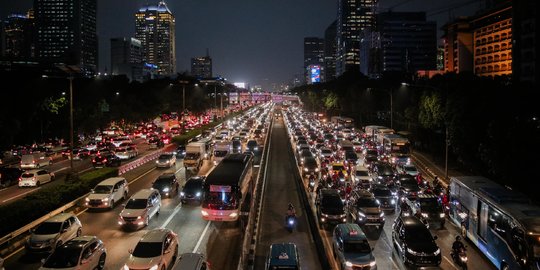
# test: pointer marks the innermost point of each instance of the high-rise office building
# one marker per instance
(66, 33)
(330, 51)
(17, 36)
(408, 41)
(458, 46)
(126, 58)
(526, 27)
(313, 60)
(201, 67)
(155, 28)
(353, 17)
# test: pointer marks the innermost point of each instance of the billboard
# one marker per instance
(314, 73)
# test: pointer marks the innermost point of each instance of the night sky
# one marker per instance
(255, 41)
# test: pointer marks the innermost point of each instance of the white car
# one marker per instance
(157, 249)
(34, 178)
(166, 160)
(80, 253)
(408, 169)
(126, 152)
(53, 232)
(140, 208)
(361, 175)
(107, 193)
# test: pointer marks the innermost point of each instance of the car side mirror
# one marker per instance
(435, 237)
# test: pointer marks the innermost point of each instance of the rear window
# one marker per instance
(27, 175)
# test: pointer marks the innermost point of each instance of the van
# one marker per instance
(283, 256)
(191, 261)
(35, 161)
(107, 193)
(140, 208)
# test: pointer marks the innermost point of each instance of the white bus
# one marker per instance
(502, 223)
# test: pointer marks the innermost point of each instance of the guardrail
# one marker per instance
(139, 162)
(426, 168)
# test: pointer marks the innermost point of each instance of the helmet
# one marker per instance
(290, 205)
(458, 238)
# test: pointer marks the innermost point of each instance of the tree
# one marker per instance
(432, 111)
(331, 101)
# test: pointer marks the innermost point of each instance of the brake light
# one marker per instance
(20, 178)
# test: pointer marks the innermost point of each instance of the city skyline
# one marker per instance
(262, 45)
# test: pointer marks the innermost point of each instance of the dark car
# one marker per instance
(413, 241)
(330, 207)
(167, 184)
(108, 160)
(237, 146)
(429, 206)
(252, 146)
(351, 157)
(9, 176)
(384, 195)
(310, 166)
(383, 173)
(365, 209)
(408, 186)
(193, 190)
(180, 151)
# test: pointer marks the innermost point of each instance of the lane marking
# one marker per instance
(176, 210)
(22, 194)
(201, 238)
(450, 262)
(61, 169)
(141, 176)
(393, 262)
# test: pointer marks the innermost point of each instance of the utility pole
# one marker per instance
(447, 142)
(71, 121)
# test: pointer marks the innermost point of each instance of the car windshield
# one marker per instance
(193, 184)
(220, 153)
(332, 201)
(136, 204)
(338, 167)
(48, 228)
(165, 157)
(418, 235)
(429, 204)
(356, 247)
(63, 258)
(409, 168)
(163, 181)
(367, 202)
(382, 193)
(362, 173)
(192, 155)
(252, 144)
(102, 189)
(147, 249)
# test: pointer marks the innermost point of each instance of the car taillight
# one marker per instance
(105, 160)
(20, 178)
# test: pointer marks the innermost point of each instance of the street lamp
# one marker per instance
(183, 83)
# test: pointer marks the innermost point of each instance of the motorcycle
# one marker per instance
(311, 185)
(290, 222)
(459, 257)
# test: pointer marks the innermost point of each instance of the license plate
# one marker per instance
(218, 219)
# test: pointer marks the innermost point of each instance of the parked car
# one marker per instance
(157, 249)
(80, 253)
(414, 243)
(34, 178)
(53, 232)
(166, 184)
(351, 247)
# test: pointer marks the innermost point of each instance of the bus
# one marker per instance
(227, 187)
(346, 122)
(501, 222)
(397, 148)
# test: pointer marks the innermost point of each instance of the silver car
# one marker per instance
(53, 232)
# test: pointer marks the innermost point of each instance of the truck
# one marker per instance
(196, 152)
(221, 149)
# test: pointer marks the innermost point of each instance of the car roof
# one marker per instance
(167, 175)
(155, 235)
(79, 242)
(351, 232)
(111, 181)
(412, 222)
(60, 217)
(33, 171)
(283, 254)
(143, 193)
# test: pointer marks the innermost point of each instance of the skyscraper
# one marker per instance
(201, 67)
(155, 28)
(458, 46)
(330, 52)
(353, 17)
(66, 33)
(126, 58)
(313, 59)
(17, 36)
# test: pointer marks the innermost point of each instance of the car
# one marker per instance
(140, 208)
(362, 177)
(157, 249)
(78, 153)
(180, 151)
(53, 232)
(9, 176)
(408, 186)
(282, 256)
(351, 157)
(155, 142)
(429, 206)
(36, 177)
(193, 190)
(106, 160)
(408, 169)
(126, 152)
(383, 173)
(191, 261)
(365, 209)
(167, 184)
(305, 153)
(107, 193)
(237, 146)
(252, 146)
(414, 243)
(385, 197)
(310, 166)
(325, 153)
(79, 253)
(340, 170)
(330, 207)
(166, 160)
(351, 248)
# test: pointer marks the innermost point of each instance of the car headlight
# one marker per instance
(393, 201)
(182, 194)
(382, 214)
(373, 263)
(87, 199)
(105, 199)
(348, 264)
(316, 169)
(305, 169)
(125, 267)
(256, 148)
(233, 215)
(424, 215)
(413, 252)
(166, 189)
(441, 215)
(204, 213)
(157, 161)
(155, 267)
(437, 252)
(198, 194)
(361, 214)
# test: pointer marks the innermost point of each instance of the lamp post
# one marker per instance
(183, 83)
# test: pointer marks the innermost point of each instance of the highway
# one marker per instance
(280, 189)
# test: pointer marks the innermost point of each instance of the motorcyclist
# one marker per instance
(457, 245)
(290, 210)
